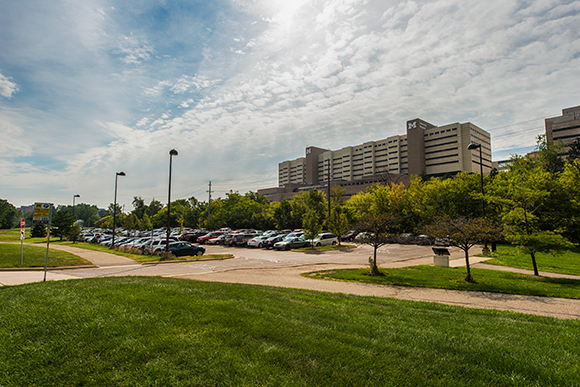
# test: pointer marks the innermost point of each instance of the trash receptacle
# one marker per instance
(441, 257)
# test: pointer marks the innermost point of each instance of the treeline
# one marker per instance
(538, 194)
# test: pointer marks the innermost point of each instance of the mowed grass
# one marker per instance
(567, 263)
(136, 331)
(454, 279)
(35, 256)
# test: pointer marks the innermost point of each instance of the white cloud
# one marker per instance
(7, 87)
(132, 50)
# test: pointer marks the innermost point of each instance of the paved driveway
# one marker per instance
(284, 269)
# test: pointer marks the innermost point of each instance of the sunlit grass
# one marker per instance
(454, 279)
(35, 256)
(134, 331)
(567, 263)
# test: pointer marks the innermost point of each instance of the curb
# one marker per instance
(186, 260)
(38, 268)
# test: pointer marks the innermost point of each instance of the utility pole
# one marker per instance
(209, 205)
(328, 193)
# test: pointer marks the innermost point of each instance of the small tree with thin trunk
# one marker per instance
(464, 233)
(378, 231)
(311, 225)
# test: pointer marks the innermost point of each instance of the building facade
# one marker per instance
(425, 148)
(565, 128)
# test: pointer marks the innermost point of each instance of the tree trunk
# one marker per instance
(534, 264)
(374, 268)
(468, 277)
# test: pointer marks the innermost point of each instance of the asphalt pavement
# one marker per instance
(284, 269)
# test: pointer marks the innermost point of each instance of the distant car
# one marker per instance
(270, 242)
(406, 239)
(257, 241)
(214, 234)
(325, 239)
(349, 236)
(425, 240)
(291, 243)
(181, 249)
(217, 240)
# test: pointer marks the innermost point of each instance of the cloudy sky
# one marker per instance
(91, 88)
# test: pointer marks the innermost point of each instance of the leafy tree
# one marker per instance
(131, 222)
(378, 229)
(523, 192)
(549, 154)
(87, 213)
(145, 223)
(574, 154)
(74, 234)
(8, 215)
(38, 230)
(338, 222)
(464, 233)
(62, 222)
(282, 215)
(154, 207)
(311, 225)
(139, 207)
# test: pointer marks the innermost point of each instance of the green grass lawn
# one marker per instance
(454, 278)
(567, 263)
(35, 256)
(135, 331)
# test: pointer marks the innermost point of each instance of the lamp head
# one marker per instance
(121, 173)
(77, 196)
(173, 152)
(473, 146)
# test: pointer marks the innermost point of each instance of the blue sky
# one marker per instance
(95, 87)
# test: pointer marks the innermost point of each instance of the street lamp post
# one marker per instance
(115, 206)
(473, 146)
(75, 196)
(172, 153)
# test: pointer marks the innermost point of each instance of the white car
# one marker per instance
(257, 241)
(325, 239)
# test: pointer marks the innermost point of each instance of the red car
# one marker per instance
(211, 235)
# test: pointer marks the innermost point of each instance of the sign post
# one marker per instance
(22, 224)
(43, 214)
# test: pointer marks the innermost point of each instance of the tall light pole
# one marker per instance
(473, 146)
(75, 196)
(172, 153)
(115, 206)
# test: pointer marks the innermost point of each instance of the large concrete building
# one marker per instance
(425, 148)
(565, 128)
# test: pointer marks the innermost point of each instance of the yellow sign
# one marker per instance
(41, 213)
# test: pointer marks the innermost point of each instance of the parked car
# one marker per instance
(217, 240)
(241, 240)
(292, 243)
(257, 241)
(425, 240)
(349, 236)
(192, 236)
(406, 239)
(149, 248)
(270, 242)
(204, 238)
(325, 239)
(180, 249)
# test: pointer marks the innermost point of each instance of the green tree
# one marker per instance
(8, 215)
(549, 154)
(311, 225)
(87, 213)
(38, 230)
(282, 216)
(154, 207)
(62, 222)
(464, 233)
(523, 193)
(378, 229)
(338, 222)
